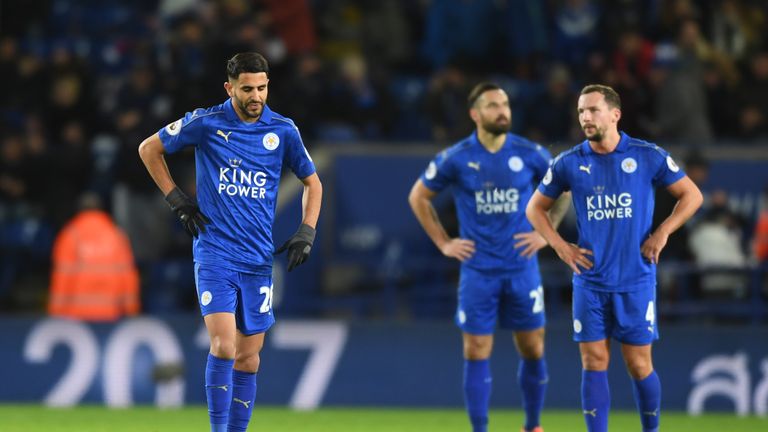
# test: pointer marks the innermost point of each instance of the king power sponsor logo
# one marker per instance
(609, 206)
(494, 201)
(234, 180)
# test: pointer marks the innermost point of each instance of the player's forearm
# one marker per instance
(151, 154)
(427, 217)
(559, 209)
(686, 206)
(541, 222)
(311, 200)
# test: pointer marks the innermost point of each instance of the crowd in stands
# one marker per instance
(82, 83)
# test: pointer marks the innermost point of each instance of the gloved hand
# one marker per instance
(192, 219)
(299, 246)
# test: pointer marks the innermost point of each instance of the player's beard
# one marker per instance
(596, 136)
(250, 113)
(499, 126)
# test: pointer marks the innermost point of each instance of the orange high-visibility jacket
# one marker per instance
(760, 243)
(94, 276)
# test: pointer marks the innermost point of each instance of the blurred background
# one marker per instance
(376, 89)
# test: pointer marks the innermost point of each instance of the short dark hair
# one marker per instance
(478, 91)
(611, 97)
(247, 62)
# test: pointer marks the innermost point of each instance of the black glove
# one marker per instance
(192, 219)
(298, 246)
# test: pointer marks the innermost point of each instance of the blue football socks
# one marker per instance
(648, 398)
(595, 399)
(477, 392)
(218, 391)
(532, 377)
(243, 396)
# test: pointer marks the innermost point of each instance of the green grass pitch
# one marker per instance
(33, 418)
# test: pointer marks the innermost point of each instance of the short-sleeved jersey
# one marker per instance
(613, 195)
(491, 191)
(238, 168)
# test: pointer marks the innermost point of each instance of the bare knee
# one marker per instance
(639, 367)
(223, 347)
(595, 356)
(477, 347)
(247, 362)
(530, 344)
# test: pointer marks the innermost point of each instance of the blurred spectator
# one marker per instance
(292, 21)
(674, 13)
(681, 105)
(460, 32)
(525, 30)
(677, 248)
(385, 33)
(721, 98)
(70, 158)
(715, 242)
(94, 277)
(446, 105)
(753, 100)
(736, 28)
(550, 116)
(355, 99)
(576, 31)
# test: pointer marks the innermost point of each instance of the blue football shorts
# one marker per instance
(516, 301)
(628, 317)
(246, 295)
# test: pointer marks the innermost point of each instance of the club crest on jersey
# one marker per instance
(515, 164)
(174, 128)
(431, 171)
(672, 165)
(270, 141)
(629, 165)
(205, 298)
(547, 178)
(577, 326)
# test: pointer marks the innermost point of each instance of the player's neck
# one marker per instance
(491, 142)
(608, 144)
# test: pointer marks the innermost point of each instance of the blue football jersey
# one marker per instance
(491, 191)
(613, 195)
(238, 168)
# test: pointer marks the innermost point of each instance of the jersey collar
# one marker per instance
(476, 141)
(620, 148)
(266, 114)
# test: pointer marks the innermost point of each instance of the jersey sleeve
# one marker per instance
(296, 155)
(555, 180)
(439, 173)
(184, 132)
(667, 171)
(541, 161)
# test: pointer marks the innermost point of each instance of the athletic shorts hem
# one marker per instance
(208, 312)
(257, 331)
(522, 328)
(591, 339)
(634, 343)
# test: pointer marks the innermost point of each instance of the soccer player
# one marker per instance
(492, 173)
(612, 177)
(240, 147)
